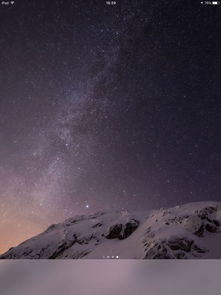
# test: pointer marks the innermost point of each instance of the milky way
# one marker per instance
(104, 107)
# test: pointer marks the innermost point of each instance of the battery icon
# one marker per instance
(210, 2)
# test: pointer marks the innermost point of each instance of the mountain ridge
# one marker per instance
(188, 231)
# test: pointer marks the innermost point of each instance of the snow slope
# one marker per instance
(189, 231)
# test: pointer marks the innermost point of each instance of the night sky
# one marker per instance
(106, 107)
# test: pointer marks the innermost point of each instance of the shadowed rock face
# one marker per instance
(208, 221)
(173, 249)
(122, 231)
(114, 231)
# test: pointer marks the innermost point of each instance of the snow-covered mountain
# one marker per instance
(189, 231)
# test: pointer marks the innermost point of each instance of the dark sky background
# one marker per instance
(106, 107)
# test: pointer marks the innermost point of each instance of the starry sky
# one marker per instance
(106, 107)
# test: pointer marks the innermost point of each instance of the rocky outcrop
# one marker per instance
(122, 231)
(176, 248)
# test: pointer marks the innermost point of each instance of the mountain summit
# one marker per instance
(188, 231)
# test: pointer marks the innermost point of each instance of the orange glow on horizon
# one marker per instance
(14, 232)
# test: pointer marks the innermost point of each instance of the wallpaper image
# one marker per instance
(110, 123)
